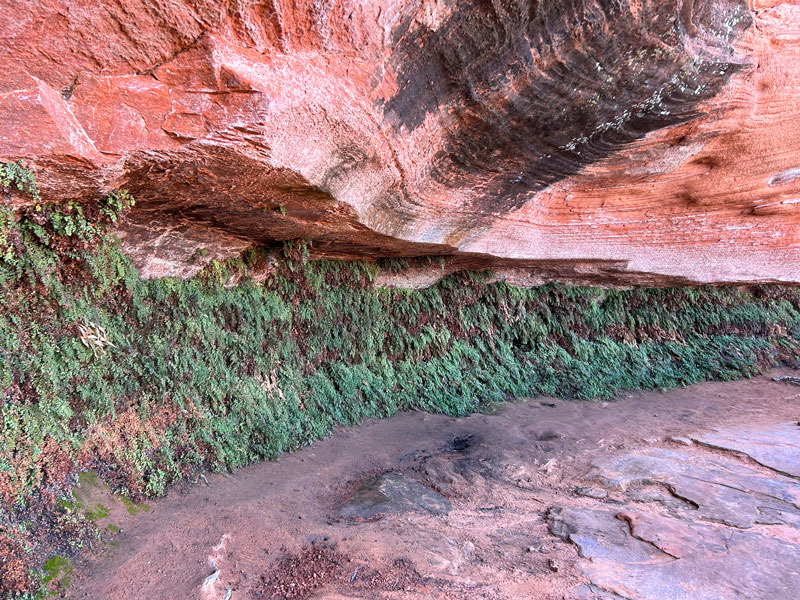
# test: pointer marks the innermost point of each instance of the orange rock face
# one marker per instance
(641, 141)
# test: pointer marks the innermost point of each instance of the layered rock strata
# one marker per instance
(653, 141)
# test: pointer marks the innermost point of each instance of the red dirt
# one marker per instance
(301, 575)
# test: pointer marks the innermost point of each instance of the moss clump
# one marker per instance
(132, 507)
(198, 375)
(56, 576)
(98, 512)
(55, 568)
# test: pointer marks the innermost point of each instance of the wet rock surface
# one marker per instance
(546, 499)
(393, 493)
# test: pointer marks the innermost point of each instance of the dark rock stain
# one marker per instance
(712, 162)
(689, 198)
(538, 90)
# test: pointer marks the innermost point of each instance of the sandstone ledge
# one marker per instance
(643, 143)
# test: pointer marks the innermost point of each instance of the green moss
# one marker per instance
(58, 568)
(98, 512)
(113, 529)
(132, 507)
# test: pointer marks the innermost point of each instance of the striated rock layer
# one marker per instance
(635, 141)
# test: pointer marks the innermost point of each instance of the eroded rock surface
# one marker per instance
(715, 489)
(777, 447)
(629, 142)
(641, 556)
(702, 542)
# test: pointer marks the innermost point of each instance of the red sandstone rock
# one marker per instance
(652, 141)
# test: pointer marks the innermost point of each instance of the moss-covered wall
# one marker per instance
(146, 382)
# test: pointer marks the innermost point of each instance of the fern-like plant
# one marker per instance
(15, 174)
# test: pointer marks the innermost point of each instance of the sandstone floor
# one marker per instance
(687, 494)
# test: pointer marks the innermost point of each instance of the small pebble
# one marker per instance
(684, 441)
(590, 492)
(469, 548)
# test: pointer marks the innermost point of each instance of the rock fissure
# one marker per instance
(629, 521)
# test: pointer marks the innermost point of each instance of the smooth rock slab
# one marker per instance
(703, 549)
(638, 556)
(393, 493)
(777, 447)
(716, 488)
(592, 592)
